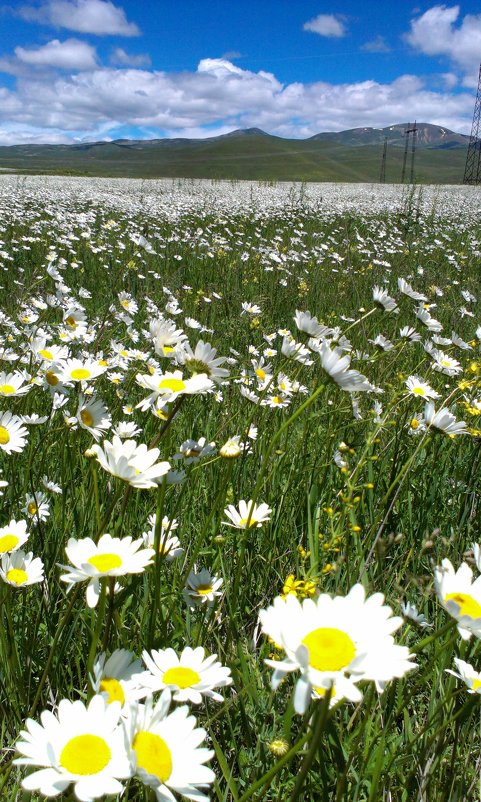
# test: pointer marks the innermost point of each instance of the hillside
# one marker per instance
(353, 155)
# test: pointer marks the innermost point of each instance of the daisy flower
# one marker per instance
(310, 325)
(466, 673)
(340, 640)
(247, 515)
(126, 429)
(78, 745)
(202, 588)
(445, 364)
(131, 463)
(460, 596)
(13, 536)
(13, 435)
(120, 677)
(20, 569)
(406, 289)
(165, 750)
(169, 545)
(37, 506)
(335, 363)
(417, 386)
(443, 420)
(111, 556)
(12, 384)
(192, 451)
(383, 300)
(93, 416)
(172, 385)
(189, 676)
(78, 370)
(203, 359)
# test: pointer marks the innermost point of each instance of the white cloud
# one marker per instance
(377, 45)
(326, 25)
(219, 96)
(69, 55)
(119, 56)
(99, 17)
(436, 34)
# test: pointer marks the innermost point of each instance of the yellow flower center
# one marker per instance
(32, 508)
(476, 684)
(80, 373)
(243, 522)
(52, 378)
(204, 590)
(86, 417)
(330, 649)
(113, 688)
(7, 543)
(70, 321)
(4, 436)
(182, 677)
(414, 423)
(17, 576)
(125, 303)
(446, 363)
(105, 562)
(174, 385)
(277, 399)
(467, 605)
(46, 354)
(167, 349)
(7, 389)
(103, 363)
(419, 391)
(261, 374)
(85, 754)
(153, 755)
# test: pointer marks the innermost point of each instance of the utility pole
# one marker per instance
(472, 170)
(382, 177)
(407, 133)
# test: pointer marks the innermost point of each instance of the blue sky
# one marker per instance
(79, 70)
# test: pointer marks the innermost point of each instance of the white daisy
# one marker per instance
(202, 587)
(120, 677)
(13, 536)
(460, 596)
(109, 557)
(79, 745)
(466, 673)
(20, 569)
(13, 435)
(247, 514)
(189, 676)
(340, 640)
(165, 750)
(130, 462)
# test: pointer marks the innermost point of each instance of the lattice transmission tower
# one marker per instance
(472, 170)
(407, 134)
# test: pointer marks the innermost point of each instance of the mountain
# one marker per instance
(427, 136)
(352, 155)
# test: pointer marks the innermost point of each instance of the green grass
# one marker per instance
(400, 504)
(252, 157)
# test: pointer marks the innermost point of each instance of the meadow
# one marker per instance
(240, 464)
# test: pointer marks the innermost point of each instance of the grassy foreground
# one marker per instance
(369, 486)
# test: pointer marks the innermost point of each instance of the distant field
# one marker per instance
(254, 157)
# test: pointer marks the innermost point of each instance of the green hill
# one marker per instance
(352, 156)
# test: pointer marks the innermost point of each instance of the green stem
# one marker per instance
(98, 626)
(320, 718)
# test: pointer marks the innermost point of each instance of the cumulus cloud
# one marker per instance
(69, 55)
(217, 97)
(119, 56)
(330, 25)
(99, 17)
(435, 33)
